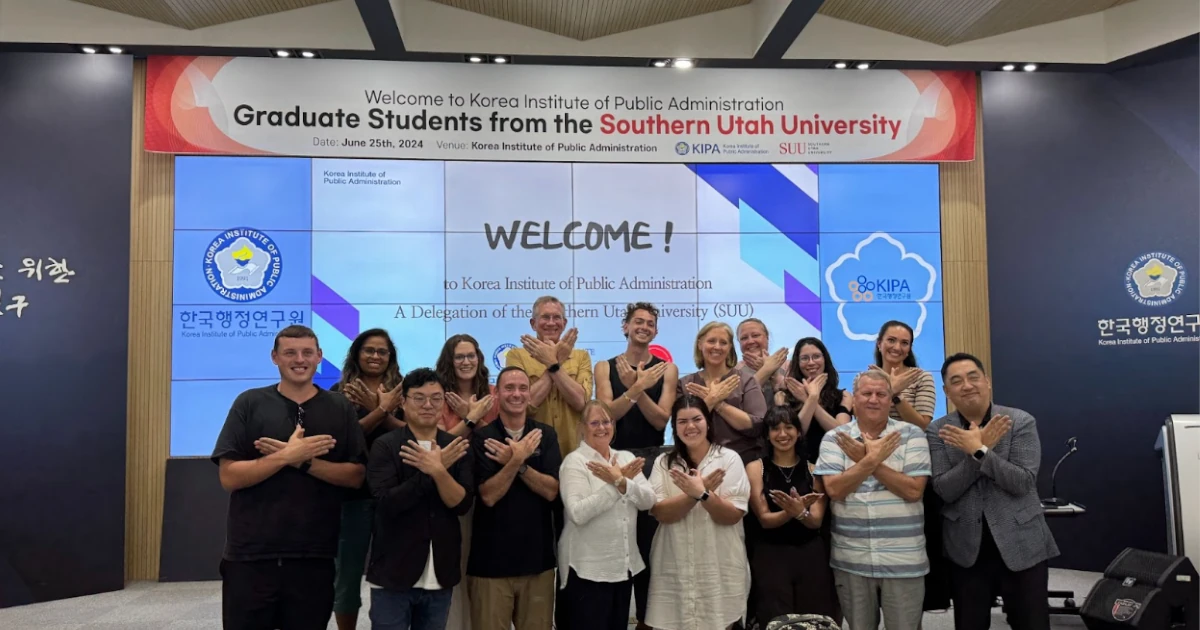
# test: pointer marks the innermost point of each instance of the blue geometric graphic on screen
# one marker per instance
(338, 316)
(772, 253)
(776, 198)
(880, 269)
(770, 203)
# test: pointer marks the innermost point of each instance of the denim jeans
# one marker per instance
(414, 608)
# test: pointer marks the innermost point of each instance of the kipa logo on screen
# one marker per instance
(1155, 279)
(242, 265)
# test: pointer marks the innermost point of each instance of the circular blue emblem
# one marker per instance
(242, 265)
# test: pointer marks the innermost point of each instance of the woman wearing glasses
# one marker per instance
(370, 380)
(602, 491)
(813, 395)
(470, 402)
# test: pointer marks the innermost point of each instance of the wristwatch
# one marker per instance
(471, 424)
(896, 399)
(979, 454)
(553, 368)
(522, 469)
(305, 466)
(703, 497)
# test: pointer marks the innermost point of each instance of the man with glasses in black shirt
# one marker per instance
(422, 489)
(287, 453)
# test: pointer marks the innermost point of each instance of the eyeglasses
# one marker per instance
(596, 424)
(465, 358)
(810, 358)
(380, 352)
(299, 416)
(420, 400)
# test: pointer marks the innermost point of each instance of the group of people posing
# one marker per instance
(781, 493)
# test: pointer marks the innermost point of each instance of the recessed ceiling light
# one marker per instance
(841, 65)
(1029, 67)
(660, 63)
(683, 63)
(863, 65)
(1008, 67)
(474, 59)
(499, 59)
(89, 50)
(116, 50)
(307, 54)
(283, 53)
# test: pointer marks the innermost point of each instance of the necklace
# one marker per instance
(787, 476)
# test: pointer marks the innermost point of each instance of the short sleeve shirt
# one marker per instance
(289, 514)
(876, 533)
(514, 537)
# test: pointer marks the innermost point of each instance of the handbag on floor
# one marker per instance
(803, 622)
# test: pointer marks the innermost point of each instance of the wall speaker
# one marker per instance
(1144, 590)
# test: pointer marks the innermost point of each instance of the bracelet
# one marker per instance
(631, 400)
(804, 514)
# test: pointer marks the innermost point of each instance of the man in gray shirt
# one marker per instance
(985, 466)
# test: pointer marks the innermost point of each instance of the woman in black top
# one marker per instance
(790, 563)
(813, 394)
(371, 381)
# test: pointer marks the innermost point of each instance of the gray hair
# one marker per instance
(873, 375)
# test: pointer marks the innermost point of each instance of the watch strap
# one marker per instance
(980, 453)
(704, 497)
(305, 466)
(522, 469)
(554, 368)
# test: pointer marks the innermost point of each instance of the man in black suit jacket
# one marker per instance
(422, 483)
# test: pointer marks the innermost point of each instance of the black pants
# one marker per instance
(793, 579)
(290, 594)
(596, 605)
(974, 590)
(937, 581)
(646, 527)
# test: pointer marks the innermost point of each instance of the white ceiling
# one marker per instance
(1096, 35)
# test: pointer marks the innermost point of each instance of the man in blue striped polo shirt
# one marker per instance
(875, 470)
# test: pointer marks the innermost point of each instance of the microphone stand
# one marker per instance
(1054, 501)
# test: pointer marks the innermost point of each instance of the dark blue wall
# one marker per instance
(65, 123)
(1084, 173)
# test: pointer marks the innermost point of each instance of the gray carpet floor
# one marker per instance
(197, 606)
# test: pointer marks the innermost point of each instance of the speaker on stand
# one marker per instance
(1144, 590)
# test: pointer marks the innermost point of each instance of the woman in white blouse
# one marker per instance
(602, 490)
(701, 578)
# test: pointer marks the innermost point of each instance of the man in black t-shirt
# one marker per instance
(510, 570)
(640, 391)
(287, 452)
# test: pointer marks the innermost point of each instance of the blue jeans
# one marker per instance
(414, 608)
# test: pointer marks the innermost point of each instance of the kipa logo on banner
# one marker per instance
(1155, 279)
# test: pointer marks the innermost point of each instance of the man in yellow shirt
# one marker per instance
(561, 375)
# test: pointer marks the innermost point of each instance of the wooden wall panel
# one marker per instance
(149, 422)
(964, 255)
